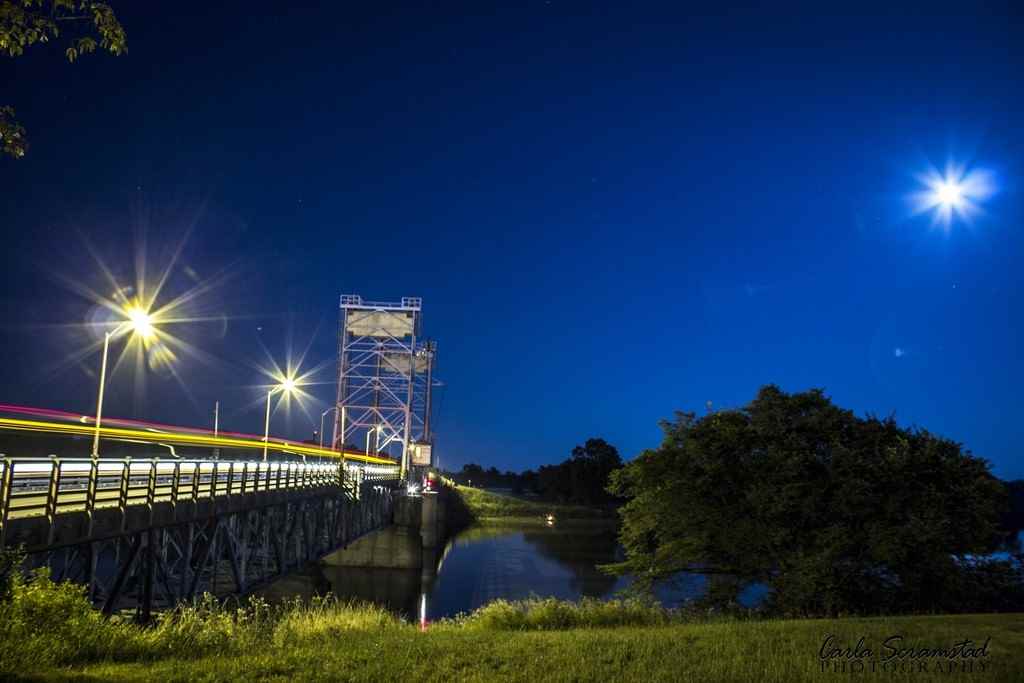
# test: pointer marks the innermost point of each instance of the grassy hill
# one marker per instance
(486, 506)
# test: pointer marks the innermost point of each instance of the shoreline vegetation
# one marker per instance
(487, 507)
(48, 631)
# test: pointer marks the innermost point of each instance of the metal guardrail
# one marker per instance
(35, 487)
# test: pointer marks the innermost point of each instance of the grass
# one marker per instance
(486, 506)
(538, 640)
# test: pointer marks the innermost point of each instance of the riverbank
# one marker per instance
(487, 507)
(542, 641)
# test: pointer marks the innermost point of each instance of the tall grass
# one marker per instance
(45, 623)
(49, 631)
(48, 624)
(545, 614)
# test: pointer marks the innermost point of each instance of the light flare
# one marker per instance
(949, 193)
(144, 311)
(290, 381)
(954, 194)
(141, 322)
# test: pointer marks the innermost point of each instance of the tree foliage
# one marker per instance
(84, 25)
(581, 479)
(835, 513)
(1013, 519)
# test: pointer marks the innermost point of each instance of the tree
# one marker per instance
(835, 513)
(24, 23)
(470, 472)
(1013, 519)
(583, 478)
(591, 464)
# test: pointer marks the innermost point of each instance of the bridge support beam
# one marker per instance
(229, 550)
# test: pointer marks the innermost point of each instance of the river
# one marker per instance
(484, 563)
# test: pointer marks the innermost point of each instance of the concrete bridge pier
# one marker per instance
(432, 529)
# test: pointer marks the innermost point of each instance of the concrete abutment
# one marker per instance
(420, 526)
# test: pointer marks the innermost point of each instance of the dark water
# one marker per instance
(484, 563)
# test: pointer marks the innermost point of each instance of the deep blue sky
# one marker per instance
(611, 212)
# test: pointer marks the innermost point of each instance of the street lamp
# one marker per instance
(140, 323)
(379, 428)
(322, 416)
(287, 386)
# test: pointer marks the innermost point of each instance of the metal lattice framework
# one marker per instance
(145, 534)
(385, 373)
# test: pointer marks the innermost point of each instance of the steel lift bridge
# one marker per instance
(147, 532)
(385, 381)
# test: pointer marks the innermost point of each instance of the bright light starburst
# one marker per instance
(949, 193)
(956, 194)
(141, 310)
(141, 322)
(289, 382)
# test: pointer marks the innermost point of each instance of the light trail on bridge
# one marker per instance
(80, 425)
(124, 422)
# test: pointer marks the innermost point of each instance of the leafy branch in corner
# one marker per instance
(24, 23)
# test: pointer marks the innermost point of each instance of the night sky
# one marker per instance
(611, 212)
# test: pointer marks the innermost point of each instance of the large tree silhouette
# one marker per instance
(836, 513)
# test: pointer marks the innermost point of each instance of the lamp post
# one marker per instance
(286, 386)
(216, 427)
(322, 416)
(139, 322)
(379, 428)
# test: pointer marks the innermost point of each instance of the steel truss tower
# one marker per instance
(385, 373)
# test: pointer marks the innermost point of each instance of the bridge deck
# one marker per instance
(47, 495)
(151, 532)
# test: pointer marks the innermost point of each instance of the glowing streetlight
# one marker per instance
(139, 323)
(286, 387)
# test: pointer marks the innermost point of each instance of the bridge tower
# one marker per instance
(385, 373)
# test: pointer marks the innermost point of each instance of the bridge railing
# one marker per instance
(31, 487)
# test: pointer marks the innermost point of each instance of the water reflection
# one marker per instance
(485, 563)
(396, 589)
(1013, 544)
(580, 551)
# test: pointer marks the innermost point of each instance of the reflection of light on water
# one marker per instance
(444, 553)
(512, 562)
